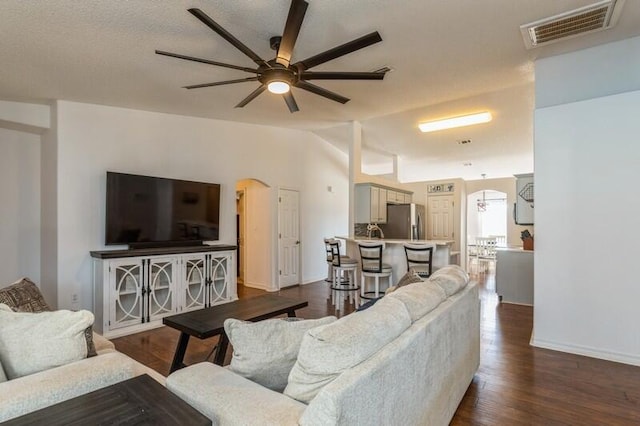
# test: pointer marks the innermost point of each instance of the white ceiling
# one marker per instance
(448, 57)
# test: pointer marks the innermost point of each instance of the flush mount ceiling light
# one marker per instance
(450, 123)
(278, 87)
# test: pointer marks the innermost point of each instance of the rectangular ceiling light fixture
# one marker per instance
(450, 123)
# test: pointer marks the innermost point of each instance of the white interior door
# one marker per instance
(289, 237)
(440, 217)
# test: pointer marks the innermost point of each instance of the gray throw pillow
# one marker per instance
(265, 351)
(409, 278)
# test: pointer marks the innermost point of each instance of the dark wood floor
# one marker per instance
(516, 384)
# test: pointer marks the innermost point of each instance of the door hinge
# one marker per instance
(279, 199)
(280, 271)
(279, 235)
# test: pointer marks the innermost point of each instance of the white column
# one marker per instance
(355, 169)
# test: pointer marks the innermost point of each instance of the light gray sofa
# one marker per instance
(32, 392)
(418, 378)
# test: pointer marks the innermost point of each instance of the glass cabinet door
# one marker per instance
(161, 285)
(219, 274)
(127, 301)
(195, 280)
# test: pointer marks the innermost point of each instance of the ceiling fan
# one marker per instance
(278, 75)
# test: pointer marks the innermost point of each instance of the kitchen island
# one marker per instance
(394, 255)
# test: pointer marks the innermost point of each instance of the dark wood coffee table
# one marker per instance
(137, 401)
(209, 322)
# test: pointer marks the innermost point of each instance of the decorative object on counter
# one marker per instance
(527, 240)
(373, 227)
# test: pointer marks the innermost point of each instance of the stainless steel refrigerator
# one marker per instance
(404, 221)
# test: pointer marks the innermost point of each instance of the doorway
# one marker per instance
(254, 234)
(486, 227)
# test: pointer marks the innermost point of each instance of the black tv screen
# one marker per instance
(144, 210)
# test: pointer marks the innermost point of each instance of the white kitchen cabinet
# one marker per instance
(371, 202)
(135, 289)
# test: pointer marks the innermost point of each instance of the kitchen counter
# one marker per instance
(394, 255)
(514, 275)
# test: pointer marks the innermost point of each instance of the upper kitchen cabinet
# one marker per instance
(371, 202)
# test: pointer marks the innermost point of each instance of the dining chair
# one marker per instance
(371, 266)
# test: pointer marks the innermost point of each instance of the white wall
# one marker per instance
(93, 139)
(20, 206)
(586, 172)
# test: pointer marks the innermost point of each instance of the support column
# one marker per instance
(355, 169)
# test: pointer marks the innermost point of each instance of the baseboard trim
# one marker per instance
(587, 351)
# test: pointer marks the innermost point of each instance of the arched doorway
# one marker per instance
(254, 233)
(486, 217)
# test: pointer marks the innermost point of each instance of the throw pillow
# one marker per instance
(33, 342)
(409, 278)
(329, 350)
(23, 296)
(265, 351)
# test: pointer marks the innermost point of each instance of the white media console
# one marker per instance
(135, 289)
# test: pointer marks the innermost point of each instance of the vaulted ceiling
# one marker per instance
(448, 57)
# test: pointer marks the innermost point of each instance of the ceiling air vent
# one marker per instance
(595, 17)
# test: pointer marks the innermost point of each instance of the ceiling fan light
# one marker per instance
(278, 87)
(450, 123)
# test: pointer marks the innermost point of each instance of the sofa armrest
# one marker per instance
(229, 399)
(102, 344)
(35, 391)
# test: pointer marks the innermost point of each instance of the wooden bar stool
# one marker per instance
(345, 280)
(420, 258)
(372, 267)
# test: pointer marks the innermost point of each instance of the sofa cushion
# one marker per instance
(23, 296)
(420, 298)
(329, 350)
(229, 399)
(451, 278)
(265, 351)
(32, 342)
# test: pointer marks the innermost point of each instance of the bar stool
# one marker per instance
(420, 258)
(327, 247)
(344, 284)
(372, 267)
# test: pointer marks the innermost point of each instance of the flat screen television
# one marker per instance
(145, 211)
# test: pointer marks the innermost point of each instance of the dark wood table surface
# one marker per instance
(209, 322)
(137, 401)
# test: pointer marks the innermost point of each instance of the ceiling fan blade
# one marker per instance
(291, 102)
(252, 96)
(307, 75)
(291, 29)
(341, 50)
(322, 92)
(221, 83)
(205, 19)
(205, 61)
